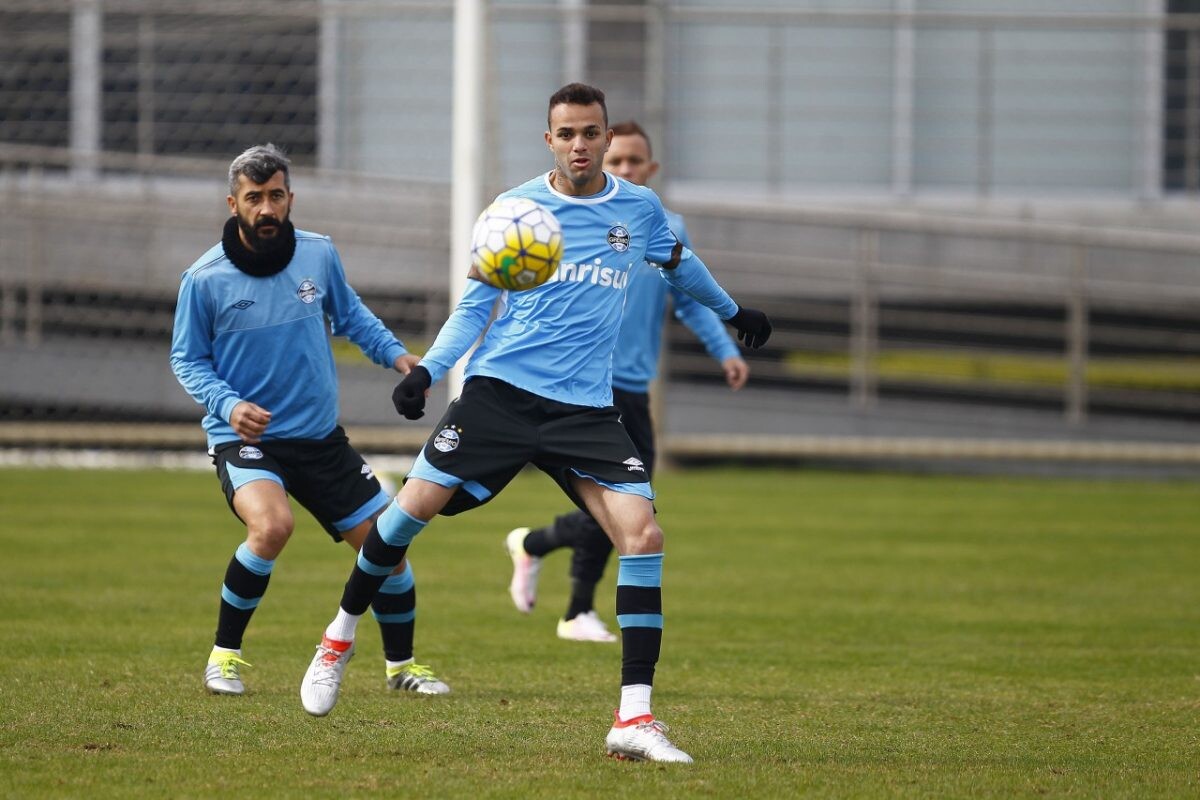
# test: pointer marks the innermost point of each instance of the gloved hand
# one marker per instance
(409, 395)
(752, 326)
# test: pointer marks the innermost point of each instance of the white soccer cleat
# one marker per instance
(643, 739)
(586, 627)
(523, 588)
(416, 678)
(221, 675)
(319, 689)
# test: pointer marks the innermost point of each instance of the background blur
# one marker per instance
(972, 221)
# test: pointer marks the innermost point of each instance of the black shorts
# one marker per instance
(635, 416)
(326, 476)
(494, 429)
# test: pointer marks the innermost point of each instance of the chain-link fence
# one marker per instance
(118, 119)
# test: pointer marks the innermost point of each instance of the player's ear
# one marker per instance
(651, 169)
(549, 142)
(232, 203)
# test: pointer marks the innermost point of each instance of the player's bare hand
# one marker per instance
(737, 372)
(249, 421)
(404, 364)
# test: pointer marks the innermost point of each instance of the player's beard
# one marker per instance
(264, 244)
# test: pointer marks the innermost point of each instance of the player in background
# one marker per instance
(539, 390)
(251, 345)
(635, 364)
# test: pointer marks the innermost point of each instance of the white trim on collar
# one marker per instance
(583, 201)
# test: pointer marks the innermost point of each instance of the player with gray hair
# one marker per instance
(251, 345)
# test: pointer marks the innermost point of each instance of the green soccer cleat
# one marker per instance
(416, 678)
(221, 675)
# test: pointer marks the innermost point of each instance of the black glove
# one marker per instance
(752, 325)
(409, 395)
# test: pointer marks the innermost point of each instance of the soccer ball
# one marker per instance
(516, 244)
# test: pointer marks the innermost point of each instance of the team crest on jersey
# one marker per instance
(250, 453)
(618, 238)
(446, 441)
(634, 465)
(307, 291)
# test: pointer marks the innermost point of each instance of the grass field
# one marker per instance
(828, 635)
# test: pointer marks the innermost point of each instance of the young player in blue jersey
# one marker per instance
(539, 390)
(635, 364)
(251, 344)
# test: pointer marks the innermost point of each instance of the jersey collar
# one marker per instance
(607, 193)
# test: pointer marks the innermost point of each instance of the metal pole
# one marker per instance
(145, 90)
(86, 35)
(904, 42)
(466, 191)
(1149, 183)
(654, 120)
(35, 261)
(864, 325)
(984, 114)
(1191, 104)
(575, 40)
(1077, 336)
(328, 90)
(774, 109)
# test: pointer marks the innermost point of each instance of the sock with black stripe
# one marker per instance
(383, 549)
(395, 609)
(246, 580)
(639, 615)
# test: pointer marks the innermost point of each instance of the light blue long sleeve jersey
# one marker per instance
(266, 340)
(635, 360)
(556, 341)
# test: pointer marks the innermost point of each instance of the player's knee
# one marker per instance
(647, 538)
(267, 537)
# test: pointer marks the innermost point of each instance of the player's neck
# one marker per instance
(564, 186)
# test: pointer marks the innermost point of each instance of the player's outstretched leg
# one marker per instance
(585, 627)
(589, 554)
(382, 551)
(635, 734)
(526, 568)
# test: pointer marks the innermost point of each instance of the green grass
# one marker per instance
(828, 635)
(997, 369)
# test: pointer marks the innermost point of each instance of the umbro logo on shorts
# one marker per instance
(634, 465)
(366, 472)
(250, 453)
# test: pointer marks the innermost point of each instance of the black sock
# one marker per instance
(583, 598)
(246, 580)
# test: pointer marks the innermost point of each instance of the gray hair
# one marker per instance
(259, 163)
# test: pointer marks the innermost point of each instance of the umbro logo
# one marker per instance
(634, 465)
(242, 305)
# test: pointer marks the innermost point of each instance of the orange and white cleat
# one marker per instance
(323, 680)
(643, 739)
